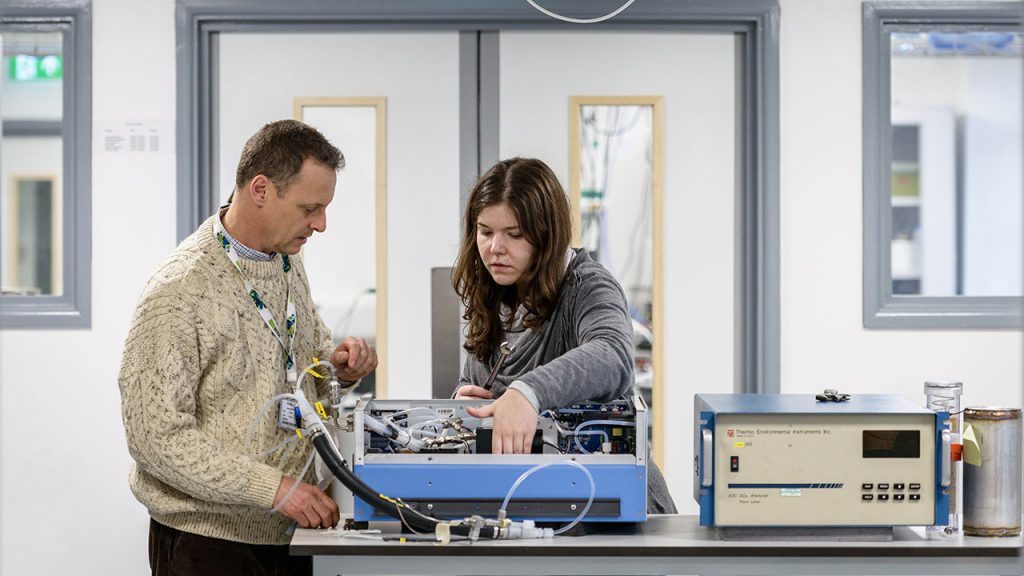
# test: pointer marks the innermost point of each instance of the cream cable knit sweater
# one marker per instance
(198, 364)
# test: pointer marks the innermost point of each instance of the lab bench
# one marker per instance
(665, 544)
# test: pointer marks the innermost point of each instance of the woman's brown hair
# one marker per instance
(532, 192)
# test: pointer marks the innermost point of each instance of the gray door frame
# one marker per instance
(755, 24)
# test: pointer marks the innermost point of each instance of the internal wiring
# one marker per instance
(417, 433)
(593, 423)
(579, 446)
(555, 446)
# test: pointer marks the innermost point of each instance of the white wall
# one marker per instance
(824, 343)
(63, 474)
(64, 469)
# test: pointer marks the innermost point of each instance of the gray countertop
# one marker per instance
(662, 545)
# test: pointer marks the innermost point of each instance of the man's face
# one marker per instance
(292, 218)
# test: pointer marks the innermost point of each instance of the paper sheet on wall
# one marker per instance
(135, 136)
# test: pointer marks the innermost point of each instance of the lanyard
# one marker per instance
(268, 318)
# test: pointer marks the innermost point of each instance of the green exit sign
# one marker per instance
(26, 68)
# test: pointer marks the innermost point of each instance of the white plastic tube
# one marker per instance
(324, 363)
(528, 473)
(309, 462)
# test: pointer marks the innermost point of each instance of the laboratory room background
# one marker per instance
(794, 196)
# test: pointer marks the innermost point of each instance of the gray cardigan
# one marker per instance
(583, 352)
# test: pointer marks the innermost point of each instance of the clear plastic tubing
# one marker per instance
(945, 397)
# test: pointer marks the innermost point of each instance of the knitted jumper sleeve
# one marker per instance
(159, 380)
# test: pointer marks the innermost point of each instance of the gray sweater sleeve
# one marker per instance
(600, 366)
(466, 378)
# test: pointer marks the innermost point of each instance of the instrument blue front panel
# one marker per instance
(706, 497)
(626, 483)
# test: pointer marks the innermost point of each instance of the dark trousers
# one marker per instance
(176, 553)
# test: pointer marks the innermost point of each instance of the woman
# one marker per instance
(560, 315)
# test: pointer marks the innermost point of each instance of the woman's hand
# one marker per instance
(515, 422)
(471, 392)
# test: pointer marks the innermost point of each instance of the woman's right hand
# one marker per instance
(471, 392)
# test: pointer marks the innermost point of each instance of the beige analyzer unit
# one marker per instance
(792, 460)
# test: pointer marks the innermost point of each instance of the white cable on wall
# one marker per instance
(581, 20)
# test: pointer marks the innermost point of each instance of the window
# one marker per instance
(45, 159)
(942, 165)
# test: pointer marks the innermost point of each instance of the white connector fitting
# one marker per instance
(526, 530)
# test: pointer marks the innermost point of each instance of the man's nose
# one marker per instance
(319, 222)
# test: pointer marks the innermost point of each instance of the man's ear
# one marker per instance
(258, 189)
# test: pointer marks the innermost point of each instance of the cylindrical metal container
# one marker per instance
(992, 505)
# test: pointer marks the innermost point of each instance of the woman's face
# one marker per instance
(507, 254)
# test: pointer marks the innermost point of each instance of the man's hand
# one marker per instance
(353, 359)
(308, 505)
(515, 422)
(471, 392)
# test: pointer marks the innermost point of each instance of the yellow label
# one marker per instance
(738, 444)
(972, 446)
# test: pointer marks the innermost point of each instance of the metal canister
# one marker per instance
(992, 504)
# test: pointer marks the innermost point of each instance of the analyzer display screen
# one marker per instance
(892, 443)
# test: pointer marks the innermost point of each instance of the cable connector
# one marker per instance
(475, 524)
(443, 531)
(526, 530)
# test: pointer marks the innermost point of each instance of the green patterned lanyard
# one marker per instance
(289, 349)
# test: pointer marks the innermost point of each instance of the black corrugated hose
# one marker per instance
(413, 519)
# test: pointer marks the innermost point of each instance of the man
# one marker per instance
(222, 327)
